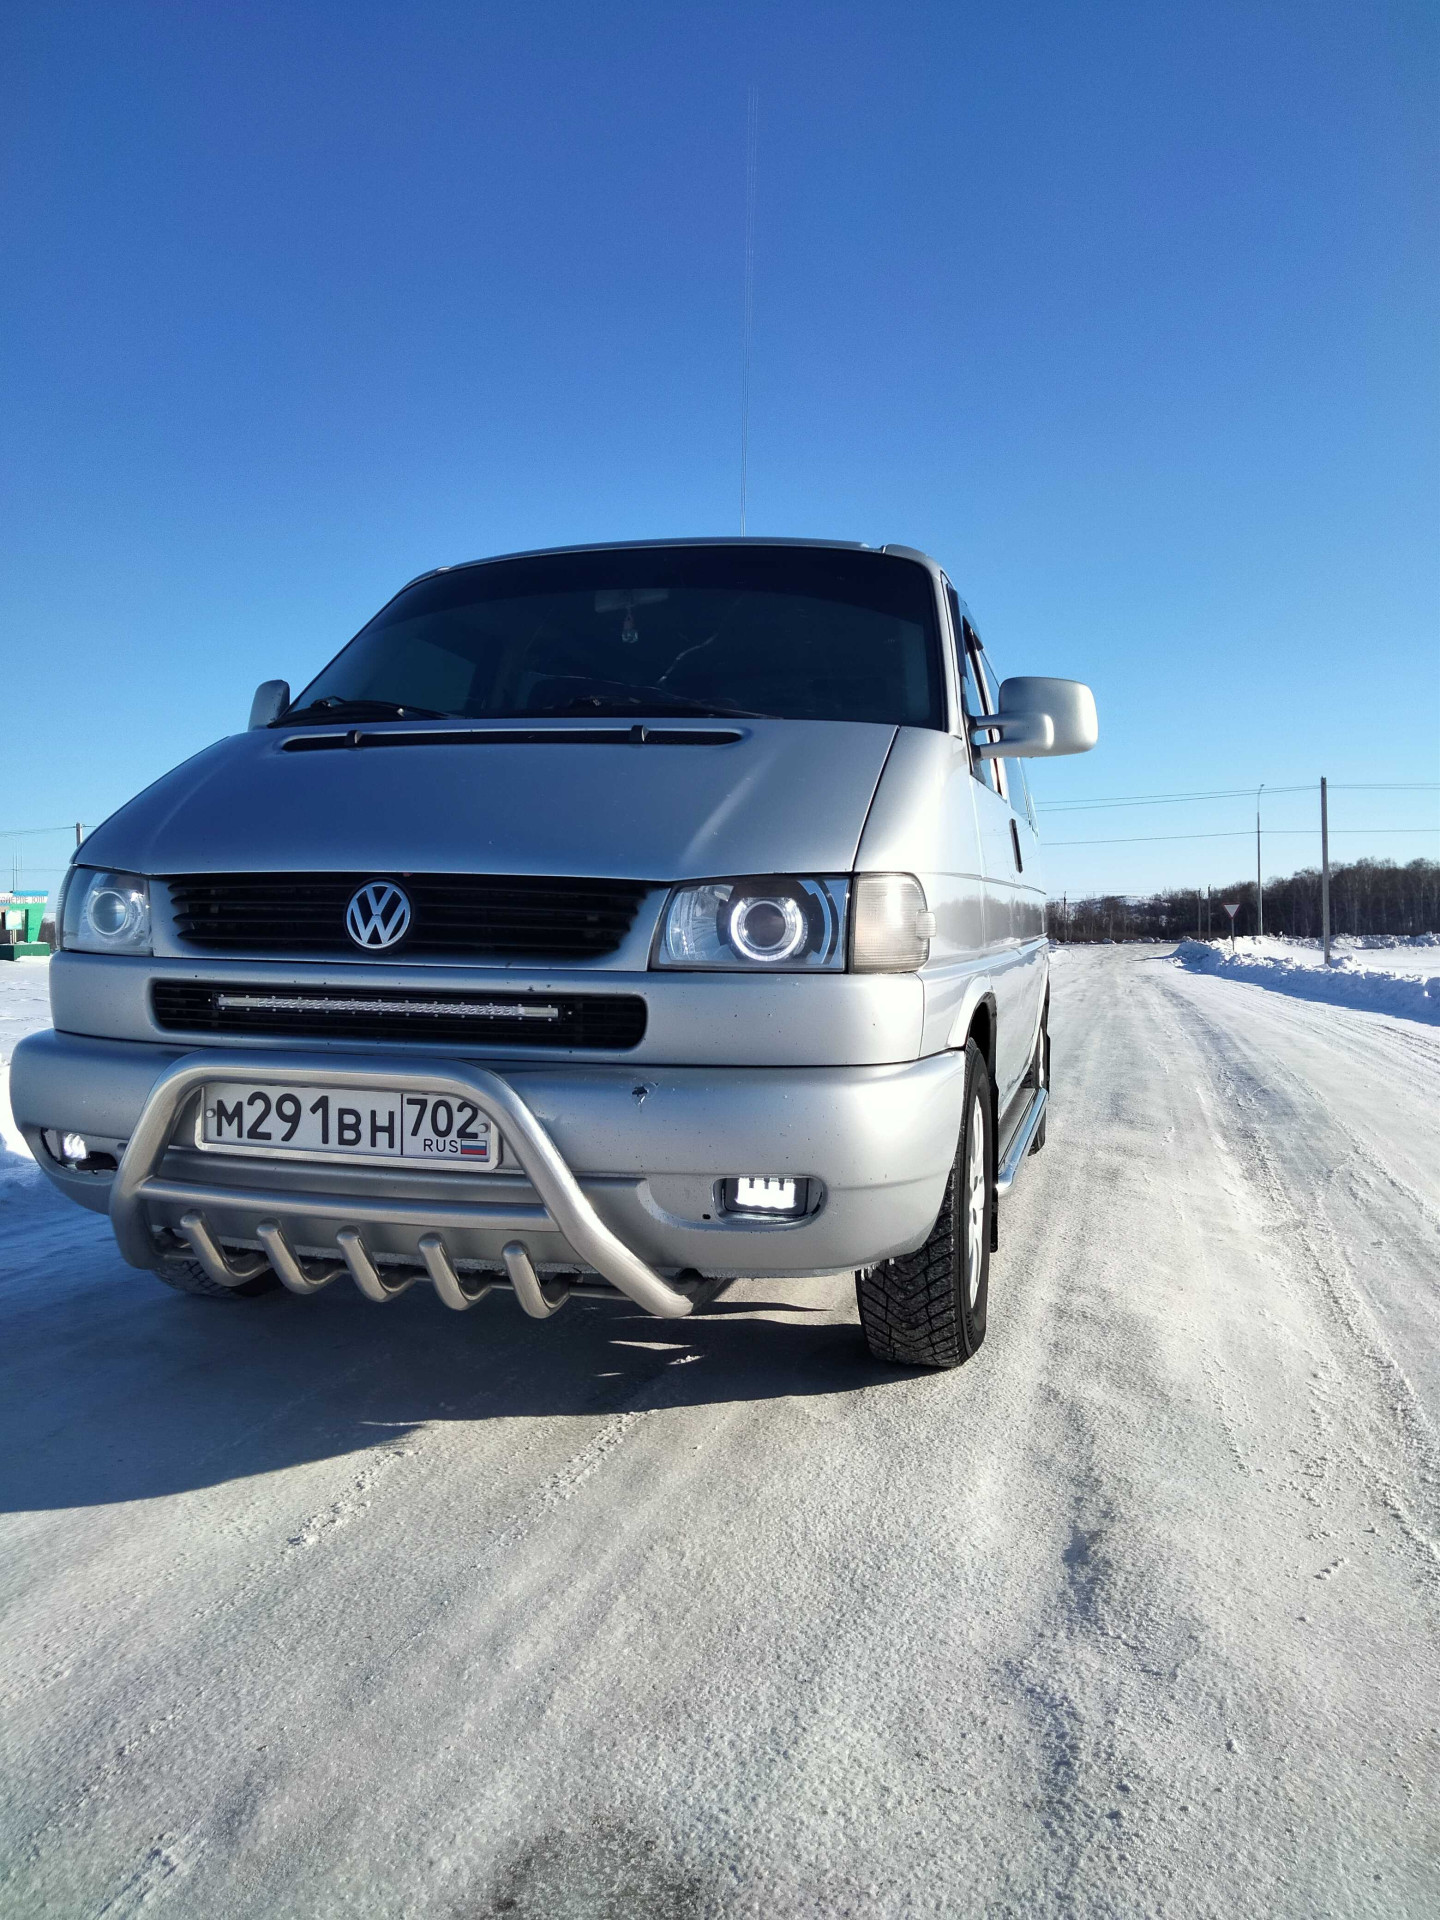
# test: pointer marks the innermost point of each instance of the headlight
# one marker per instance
(105, 912)
(776, 924)
(783, 924)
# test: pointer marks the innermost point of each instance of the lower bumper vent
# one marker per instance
(605, 1022)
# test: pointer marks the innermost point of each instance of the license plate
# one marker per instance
(359, 1124)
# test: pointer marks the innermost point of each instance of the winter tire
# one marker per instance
(927, 1308)
(188, 1276)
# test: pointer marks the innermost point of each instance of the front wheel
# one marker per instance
(927, 1308)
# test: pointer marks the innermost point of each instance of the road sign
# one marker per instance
(1232, 908)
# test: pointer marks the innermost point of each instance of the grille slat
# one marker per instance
(459, 914)
(608, 1022)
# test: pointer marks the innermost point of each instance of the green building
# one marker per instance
(20, 917)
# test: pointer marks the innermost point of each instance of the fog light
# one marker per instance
(68, 1148)
(77, 1154)
(773, 1194)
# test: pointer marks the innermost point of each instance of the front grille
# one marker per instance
(602, 1021)
(505, 918)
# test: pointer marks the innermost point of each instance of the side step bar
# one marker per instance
(1020, 1141)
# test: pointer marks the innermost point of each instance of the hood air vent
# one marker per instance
(631, 736)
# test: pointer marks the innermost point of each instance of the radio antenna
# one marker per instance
(752, 118)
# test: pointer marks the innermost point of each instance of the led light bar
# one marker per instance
(341, 1003)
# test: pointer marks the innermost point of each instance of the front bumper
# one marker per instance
(612, 1170)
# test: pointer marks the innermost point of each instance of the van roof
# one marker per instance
(700, 540)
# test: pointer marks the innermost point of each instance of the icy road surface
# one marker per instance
(313, 1608)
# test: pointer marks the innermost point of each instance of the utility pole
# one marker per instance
(1325, 868)
(1259, 886)
(752, 116)
(79, 833)
(1065, 917)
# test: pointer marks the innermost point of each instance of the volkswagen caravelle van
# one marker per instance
(617, 920)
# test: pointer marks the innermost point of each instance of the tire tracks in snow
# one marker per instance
(162, 1871)
(1301, 1220)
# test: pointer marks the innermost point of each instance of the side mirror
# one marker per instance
(1037, 720)
(271, 699)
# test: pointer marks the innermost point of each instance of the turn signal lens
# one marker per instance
(892, 924)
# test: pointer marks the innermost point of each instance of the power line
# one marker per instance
(1063, 806)
(1235, 793)
(1236, 833)
(1156, 799)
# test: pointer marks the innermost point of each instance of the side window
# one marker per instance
(971, 693)
(1012, 771)
(1020, 791)
(978, 676)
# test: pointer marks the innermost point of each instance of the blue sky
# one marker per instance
(1127, 313)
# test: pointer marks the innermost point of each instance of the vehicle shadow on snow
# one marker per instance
(113, 1389)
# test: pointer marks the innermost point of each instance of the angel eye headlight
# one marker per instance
(766, 928)
(105, 912)
(779, 922)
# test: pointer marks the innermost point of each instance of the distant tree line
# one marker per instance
(1366, 896)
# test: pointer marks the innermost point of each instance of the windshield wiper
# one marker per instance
(332, 707)
(602, 704)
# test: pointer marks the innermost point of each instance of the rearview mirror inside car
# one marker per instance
(1038, 718)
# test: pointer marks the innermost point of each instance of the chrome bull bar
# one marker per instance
(563, 1206)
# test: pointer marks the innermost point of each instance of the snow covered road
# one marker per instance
(312, 1608)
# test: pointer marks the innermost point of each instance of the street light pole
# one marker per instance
(1325, 868)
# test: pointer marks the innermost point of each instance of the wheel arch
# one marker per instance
(975, 1020)
(982, 1032)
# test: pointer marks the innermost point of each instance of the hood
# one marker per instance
(758, 796)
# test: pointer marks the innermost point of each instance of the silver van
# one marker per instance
(614, 920)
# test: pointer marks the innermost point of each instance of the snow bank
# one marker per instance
(1378, 975)
(24, 1008)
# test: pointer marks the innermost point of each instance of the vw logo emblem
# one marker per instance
(378, 915)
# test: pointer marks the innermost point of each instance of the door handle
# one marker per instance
(1015, 846)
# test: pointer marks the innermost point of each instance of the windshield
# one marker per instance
(793, 632)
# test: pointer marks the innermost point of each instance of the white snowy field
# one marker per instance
(314, 1609)
(1383, 975)
(24, 1006)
